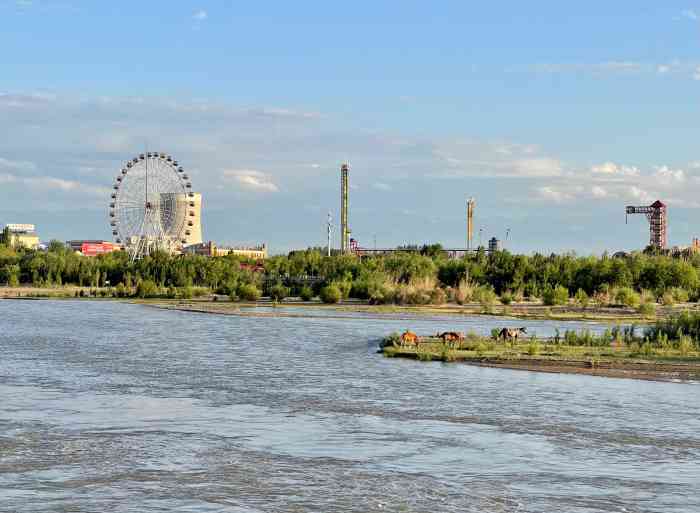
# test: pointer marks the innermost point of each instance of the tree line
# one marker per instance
(424, 276)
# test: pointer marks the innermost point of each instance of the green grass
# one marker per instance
(484, 348)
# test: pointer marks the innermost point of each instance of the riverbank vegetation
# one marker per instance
(492, 281)
(670, 346)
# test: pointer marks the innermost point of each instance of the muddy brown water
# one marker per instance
(125, 408)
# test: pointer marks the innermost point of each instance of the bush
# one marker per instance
(555, 296)
(438, 296)
(120, 291)
(486, 297)
(667, 299)
(147, 288)
(464, 293)
(581, 298)
(533, 348)
(507, 298)
(306, 293)
(331, 294)
(647, 309)
(278, 292)
(248, 292)
(185, 292)
(626, 296)
(674, 295)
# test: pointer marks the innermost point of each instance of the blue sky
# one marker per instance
(554, 116)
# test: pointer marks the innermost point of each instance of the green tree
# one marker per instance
(278, 292)
(331, 294)
(248, 292)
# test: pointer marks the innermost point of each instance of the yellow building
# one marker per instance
(22, 235)
(212, 250)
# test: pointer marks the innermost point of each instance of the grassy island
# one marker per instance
(667, 350)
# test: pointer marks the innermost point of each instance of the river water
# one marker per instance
(113, 407)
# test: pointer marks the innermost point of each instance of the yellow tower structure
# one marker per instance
(470, 222)
(344, 228)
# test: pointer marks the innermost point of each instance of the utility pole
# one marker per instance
(330, 229)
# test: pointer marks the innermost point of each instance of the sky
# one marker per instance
(553, 115)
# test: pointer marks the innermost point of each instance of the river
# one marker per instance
(115, 407)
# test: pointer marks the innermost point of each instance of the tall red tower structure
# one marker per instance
(656, 215)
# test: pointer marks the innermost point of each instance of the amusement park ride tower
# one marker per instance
(656, 215)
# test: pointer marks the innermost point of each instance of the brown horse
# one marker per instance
(408, 338)
(512, 333)
(451, 337)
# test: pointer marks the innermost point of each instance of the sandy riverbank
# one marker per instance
(533, 311)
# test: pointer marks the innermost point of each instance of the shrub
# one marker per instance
(533, 348)
(185, 292)
(581, 298)
(464, 292)
(248, 292)
(228, 288)
(331, 294)
(147, 288)
(486, 297)
(647, 309)
(555, 296)
(626, 296)
(646, 296)
(507, 298)
(278, 292)
(306, 293)
(685, 345)
(674, 295)
(667, 299)
(120, 290)
(438, 296)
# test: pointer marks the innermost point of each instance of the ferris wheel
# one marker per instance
(150, 205)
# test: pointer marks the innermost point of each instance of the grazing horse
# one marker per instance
(408, 338)
(453, 337)
(512, 333)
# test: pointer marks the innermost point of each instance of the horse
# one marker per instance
(451, 336)
(409, 338)
(512, 333)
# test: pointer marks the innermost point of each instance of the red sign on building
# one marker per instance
(94, 249)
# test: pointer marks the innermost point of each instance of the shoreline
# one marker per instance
(641, 370)
(609, 315)
(521, 310)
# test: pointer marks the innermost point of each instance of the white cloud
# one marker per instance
(597, 67)
(690, 14)
(696, 73)
(599, 192)
(641, 195)
(462, 158)
(538, 167)
(51, 183)
(612, 169)
(668, 176)
(554, 194)
(251, 179)
(200, 15)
